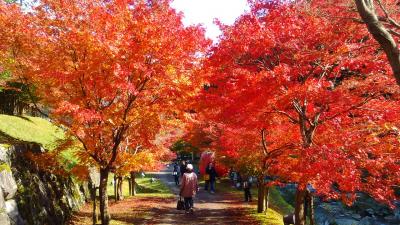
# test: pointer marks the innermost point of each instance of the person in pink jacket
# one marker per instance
(189, 187)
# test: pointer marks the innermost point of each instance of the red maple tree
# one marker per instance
(314, 85)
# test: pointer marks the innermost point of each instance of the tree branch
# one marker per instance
(391, 20)
(291, 118)
(348, 109)
(263, 142)
(381, 34)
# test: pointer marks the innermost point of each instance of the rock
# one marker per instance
(346, 221)
(43, 198)
(356, 216)
(322, 215)
(13, 213)
(366, 221)
(7, 184)
(4, 220)
(3, 215)
(3, 154)
(370, 211)
(2, 201)
(392, 219)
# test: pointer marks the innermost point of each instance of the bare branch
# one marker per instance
(263, 142)
(291, 118)
(358, 105)
(391, 20)
(381, 34)
(395, 33)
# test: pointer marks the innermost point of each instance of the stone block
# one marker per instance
(4, 154)
(13, 213)
(2, 201)
(4, 220)
(8, 184)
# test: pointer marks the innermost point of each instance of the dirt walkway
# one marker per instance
(209, 208)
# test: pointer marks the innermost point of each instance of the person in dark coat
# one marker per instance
(212, 175)
(246, 188)
(183, 167)
(175, 173)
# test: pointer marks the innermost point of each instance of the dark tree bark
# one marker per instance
(94, 212)
(307, 127)
(130, 186)
(261, 195)
(299, 207)
(115, 188)
(311, 205)
(381, 34)
(104, 214)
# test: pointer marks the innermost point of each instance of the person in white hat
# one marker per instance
(189, 188)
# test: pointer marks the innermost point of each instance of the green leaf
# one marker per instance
(4, 75)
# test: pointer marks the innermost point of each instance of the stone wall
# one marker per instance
(31, 196)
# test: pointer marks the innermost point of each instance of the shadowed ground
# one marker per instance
(209, 209)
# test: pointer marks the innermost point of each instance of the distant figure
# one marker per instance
(232, 176)
(239, 180)
(211, 175)
(235, 179)
(189, 188)
(247, 189)
(183, 167)
(175, 173)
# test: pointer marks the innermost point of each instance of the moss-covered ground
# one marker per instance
(30, 129)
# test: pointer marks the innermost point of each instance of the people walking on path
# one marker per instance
(175, 173)
(211, 174)
(247, 189)
(189, 188)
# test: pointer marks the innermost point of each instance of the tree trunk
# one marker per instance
(381, 34)
(133, 183)
(105, 216)
(299, 207)
(115, 188)
(261, 195)
(94, 213)
(266, 195)
(130, 186)
(120, 181)
(311, 205)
